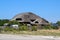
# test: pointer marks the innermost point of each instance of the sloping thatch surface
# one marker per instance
(29, 17)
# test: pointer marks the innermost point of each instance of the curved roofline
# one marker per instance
(25, 14)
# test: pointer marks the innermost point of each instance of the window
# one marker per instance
(42, 25)
(32, 20)
(19, 19)
(36, 22)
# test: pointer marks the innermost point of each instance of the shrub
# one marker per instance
(47, 27)
(55, 27)
(3, 21)
(12, 22)
(50, 27)
(8, 29)
(23, 28)
(58, 22)
(0, 29)
(34, 28)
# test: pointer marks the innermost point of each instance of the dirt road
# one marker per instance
(26, 37)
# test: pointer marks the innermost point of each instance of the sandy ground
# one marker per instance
(26, 37)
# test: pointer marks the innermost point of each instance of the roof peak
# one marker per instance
(27, 13)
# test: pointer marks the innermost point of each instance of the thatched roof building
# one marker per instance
(29, 17)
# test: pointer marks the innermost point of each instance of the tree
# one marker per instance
(13, 22)
(3, 21)
(58, 22)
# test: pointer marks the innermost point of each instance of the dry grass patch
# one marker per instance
(43, 32)
(38, 32)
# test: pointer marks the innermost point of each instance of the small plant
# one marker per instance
(8, 29)
(34, 28)
(50, 27)
(12, 22)
(47, 27)
(23, 28)
(0, 29)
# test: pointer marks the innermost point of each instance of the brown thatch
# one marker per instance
(29, 17)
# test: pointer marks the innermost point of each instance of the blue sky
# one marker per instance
(47, 9)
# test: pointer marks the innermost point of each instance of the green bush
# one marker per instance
(34, 28)
(0, 29)
(50, 27)
(47, 27)
(9, 29)
(12, 22)
(3, 21)
(55, 27)
(23, 28)
(58, 22)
